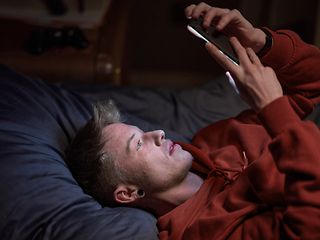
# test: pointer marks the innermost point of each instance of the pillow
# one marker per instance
(39, 198)
(183, 111)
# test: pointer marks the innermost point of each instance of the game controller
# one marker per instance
(44, 39)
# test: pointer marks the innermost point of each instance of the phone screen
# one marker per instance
(215, 37)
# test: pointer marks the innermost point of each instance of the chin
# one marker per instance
(187, 156)
(187, 159)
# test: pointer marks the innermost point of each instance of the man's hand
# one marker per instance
(258, 85)
(230, 22)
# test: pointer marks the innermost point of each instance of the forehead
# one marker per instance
(116, 135)
(117, 130)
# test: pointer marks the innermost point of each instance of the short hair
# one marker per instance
(95, 171)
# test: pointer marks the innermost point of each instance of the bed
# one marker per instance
(39, 198)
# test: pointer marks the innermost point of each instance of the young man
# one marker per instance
(255, 176)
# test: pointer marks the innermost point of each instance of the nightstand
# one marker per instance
(102, 61)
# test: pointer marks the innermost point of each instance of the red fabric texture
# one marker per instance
(262, 171)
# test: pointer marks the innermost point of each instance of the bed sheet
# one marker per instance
(39, 198)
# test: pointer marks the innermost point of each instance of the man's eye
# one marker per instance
(139, 144)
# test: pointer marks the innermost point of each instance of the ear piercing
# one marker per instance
(141, 193)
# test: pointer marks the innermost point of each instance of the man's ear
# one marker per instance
(125, 193)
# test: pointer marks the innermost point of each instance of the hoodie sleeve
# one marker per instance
(296, 152)
(297, 65)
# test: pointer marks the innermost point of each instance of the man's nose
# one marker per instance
(158, 136)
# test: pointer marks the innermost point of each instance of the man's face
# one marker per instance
(159, 163)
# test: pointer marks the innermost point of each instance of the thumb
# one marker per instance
(221, 58)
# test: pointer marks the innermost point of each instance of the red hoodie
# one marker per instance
(261, 171)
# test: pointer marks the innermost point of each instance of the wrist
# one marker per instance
(268, 42)
(258, 40)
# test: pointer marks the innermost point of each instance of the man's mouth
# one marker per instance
(172, 148)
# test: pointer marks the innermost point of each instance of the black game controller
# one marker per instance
(44, 39)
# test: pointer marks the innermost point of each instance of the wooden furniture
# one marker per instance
(103, 60)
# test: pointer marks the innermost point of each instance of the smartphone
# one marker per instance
(217, 38)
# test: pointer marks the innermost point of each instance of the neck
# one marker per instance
(164, 202)
(185, 190)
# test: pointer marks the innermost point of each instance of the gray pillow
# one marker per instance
(39, 197)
